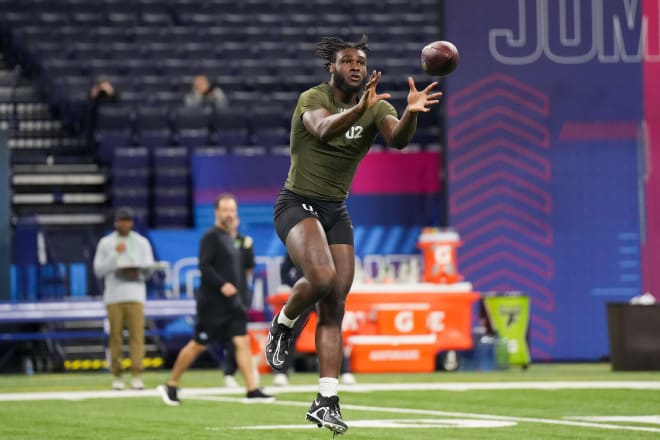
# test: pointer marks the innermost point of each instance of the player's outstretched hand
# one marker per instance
(370, 96)
(421, 100)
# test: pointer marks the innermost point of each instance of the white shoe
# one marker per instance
(118, 384)
(280, 380)
(230, 382)
(348, 379)
(137, 384)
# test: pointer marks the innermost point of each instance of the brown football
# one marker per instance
(439, 58)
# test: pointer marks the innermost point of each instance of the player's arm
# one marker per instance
(326, 126)
(397, 133)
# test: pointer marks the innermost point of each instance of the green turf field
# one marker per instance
(545, 402)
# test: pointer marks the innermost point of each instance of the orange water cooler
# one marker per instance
(439, 250)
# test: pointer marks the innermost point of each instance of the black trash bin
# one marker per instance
(634, 333)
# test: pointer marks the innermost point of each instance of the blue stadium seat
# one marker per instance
(134, 177)
(171, 196)
(88, 18)
(130, 157)
(123, 195)
(191, 125)
(270, 137)
(152, 126)
(171, 176)
(171, 217)
(114, 128)
(109, 34)
(170, 157)
(230, 127)
(115, 118)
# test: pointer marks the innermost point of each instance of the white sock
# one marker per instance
(282, 319)
(328, 386)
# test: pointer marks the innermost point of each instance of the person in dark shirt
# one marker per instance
(102, 93)
(245, 246)
(221, 315)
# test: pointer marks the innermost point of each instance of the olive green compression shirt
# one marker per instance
(325, 170)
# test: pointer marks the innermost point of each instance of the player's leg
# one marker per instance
(188, 354)
(325, 411)
(244, 360)
(307, 245)
(329, 345)
(231, 366)
(299, 226)
(115, 325)
(185, 358)
(236, 329)
(135, 324)
(169, 392)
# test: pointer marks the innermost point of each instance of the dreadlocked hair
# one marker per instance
(329, 46)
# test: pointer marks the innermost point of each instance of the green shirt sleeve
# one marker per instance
(312, 99)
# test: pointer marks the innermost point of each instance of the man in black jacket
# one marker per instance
(221, 315)
(245, 246)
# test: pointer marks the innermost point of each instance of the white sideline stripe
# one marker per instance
(451, 414)
(465, 386)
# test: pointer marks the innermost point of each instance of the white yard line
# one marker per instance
(457, 386)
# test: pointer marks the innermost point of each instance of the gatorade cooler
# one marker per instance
(439, 249)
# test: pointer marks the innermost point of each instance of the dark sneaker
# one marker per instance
(325, 413)
(169, 395)
(278, 345)
(258, 396)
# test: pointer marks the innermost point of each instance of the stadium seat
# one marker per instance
(171, 196)
(130, 157)
(123, 195)
(152, 126)
(270, 137)
(170, 157)
(230, 127)
(171, 217)
(134, 177)
(191, 126)
(171, 176)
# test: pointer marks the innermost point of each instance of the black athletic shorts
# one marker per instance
(207, 331)
(290, 209)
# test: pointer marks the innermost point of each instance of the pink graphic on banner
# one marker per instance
(572, 131)
(398, 173)
(500, 201)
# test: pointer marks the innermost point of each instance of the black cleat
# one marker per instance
(258, 396)
(325, 413)
(278, 345)
(169, 395)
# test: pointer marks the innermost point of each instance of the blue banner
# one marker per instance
(543, 114)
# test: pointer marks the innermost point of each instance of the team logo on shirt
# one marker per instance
(203, 336)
